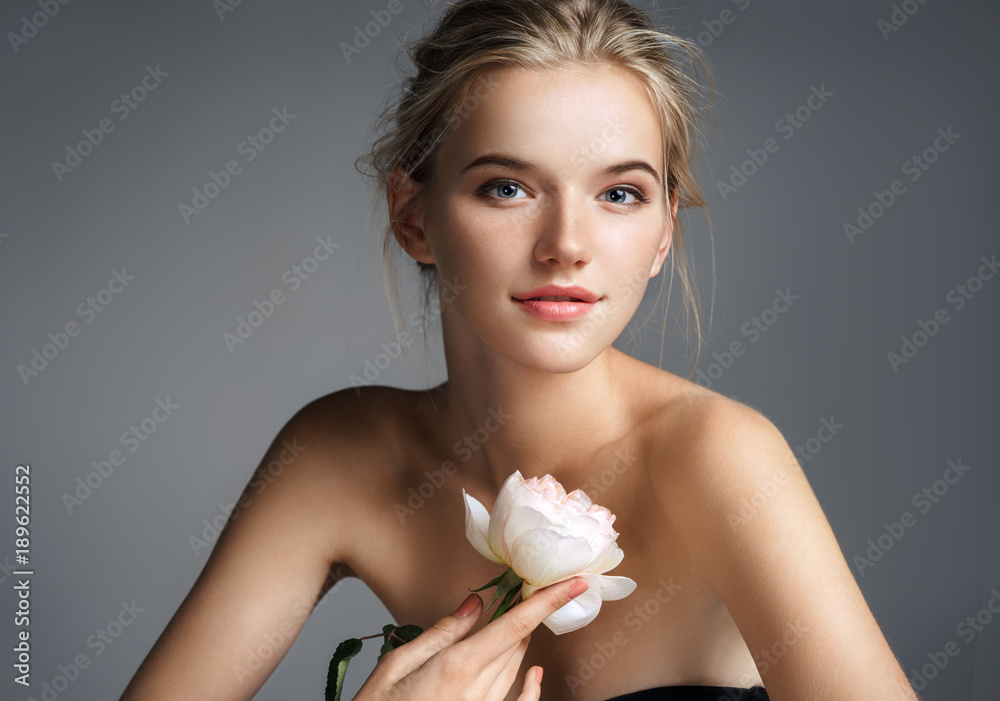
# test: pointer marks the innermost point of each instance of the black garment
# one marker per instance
(696, 693)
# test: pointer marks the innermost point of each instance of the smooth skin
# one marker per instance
(721, 530)
(261, 582)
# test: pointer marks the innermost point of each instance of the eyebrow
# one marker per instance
(517, 164)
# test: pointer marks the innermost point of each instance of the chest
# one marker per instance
(420, 564)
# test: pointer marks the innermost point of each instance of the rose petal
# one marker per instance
(477, 524)
(512, 495)
(548, 487)
(613, 588)
(609, 559)
(547, 536)
(578, 612)
(542, 556)
(527, 518)
(587, 527)
(579, 496)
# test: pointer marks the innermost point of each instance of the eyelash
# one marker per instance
(494, 184)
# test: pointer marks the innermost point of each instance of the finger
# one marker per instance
(504, 670)
(501, 674)
(532, 689)
(445, 632)
(517, 623)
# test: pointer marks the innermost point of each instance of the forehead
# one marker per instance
(574, 114)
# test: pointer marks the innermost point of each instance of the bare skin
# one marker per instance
(740, 578)
(284, 547)
(671, 631)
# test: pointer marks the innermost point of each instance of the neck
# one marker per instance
(508, 416)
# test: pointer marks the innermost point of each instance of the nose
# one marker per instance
(564, 232)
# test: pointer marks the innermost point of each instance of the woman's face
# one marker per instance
(550, 178)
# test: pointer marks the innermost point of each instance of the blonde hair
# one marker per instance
(475, 36)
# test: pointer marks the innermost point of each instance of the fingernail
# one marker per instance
(538, 674)
(578, 587)
(468, 606)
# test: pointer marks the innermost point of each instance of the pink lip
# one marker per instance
(563, 310)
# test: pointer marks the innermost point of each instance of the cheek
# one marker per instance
(474, 239)
(628, 255)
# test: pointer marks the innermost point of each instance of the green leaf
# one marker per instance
(387, 644)
(492, 582)
(338, 667)
(387, 636)
(509, 602)
(398, 635)
(510, 582)
(408, 632)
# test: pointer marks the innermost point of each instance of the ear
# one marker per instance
(409, 230)
(667, 239)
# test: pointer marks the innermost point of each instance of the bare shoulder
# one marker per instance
(724, 456)
(699, 424)
(753, 529)
(293, 532)
(705, 445)
(723, 475)
(358, 422)
(332, 457)
(350, 418)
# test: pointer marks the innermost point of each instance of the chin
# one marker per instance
(561, 353)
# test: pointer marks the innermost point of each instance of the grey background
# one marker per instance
(162, 336)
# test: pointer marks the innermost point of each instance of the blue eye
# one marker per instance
(508, 189)
(620, 194)
(504, 190)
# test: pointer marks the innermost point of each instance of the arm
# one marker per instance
(265, 574)
(757, 534)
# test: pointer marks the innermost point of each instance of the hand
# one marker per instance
(438, 664)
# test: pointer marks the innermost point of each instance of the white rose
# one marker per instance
(546, 536)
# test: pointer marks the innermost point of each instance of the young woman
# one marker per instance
(534, 169)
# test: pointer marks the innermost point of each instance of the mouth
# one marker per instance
(559, 293)
(557, 307)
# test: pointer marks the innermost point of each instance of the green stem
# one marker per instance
(381, 635)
